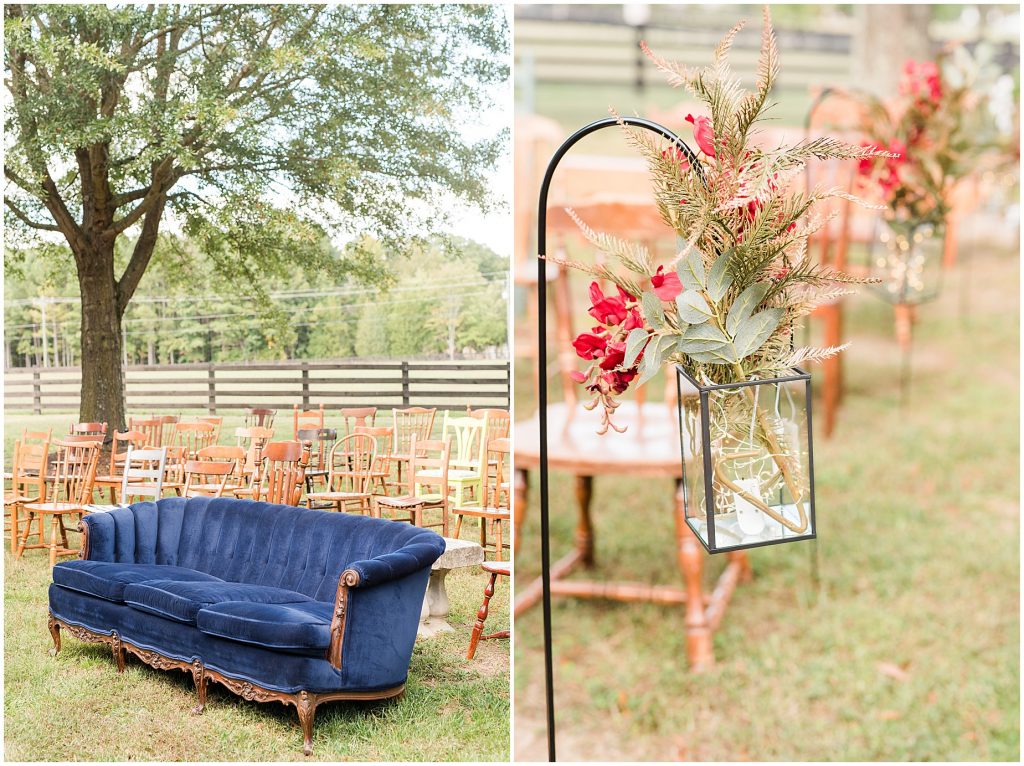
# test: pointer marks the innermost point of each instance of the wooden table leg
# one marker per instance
(699, 649)
(584, 529)
(521, 485)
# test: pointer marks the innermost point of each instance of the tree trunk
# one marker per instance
(888, 36)
(102, 398)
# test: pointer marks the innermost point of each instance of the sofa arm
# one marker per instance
(377, 571)
(392, 566)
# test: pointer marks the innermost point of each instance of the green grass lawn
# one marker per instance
(908, 650)
(77, 706)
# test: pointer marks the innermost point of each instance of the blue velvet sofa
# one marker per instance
(272, 601)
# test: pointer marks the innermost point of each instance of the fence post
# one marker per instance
(405, 384)
(305, 385)
(37, 393)
(211, 390)
(508, 386)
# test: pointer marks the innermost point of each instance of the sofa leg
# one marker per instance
(54, 627)
(305, 703)
(199, 676)
(118, 650)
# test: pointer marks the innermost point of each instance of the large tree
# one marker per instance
(256, 129)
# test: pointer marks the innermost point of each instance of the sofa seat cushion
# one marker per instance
(296, 627)
(182, 601)
(108, 579)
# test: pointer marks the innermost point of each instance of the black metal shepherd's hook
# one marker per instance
(542, 384)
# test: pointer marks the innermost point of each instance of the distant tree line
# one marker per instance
(446, 299)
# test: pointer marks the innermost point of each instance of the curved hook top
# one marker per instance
(586, 130)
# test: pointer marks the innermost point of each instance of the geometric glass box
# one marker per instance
(748, 466)
(907, 257)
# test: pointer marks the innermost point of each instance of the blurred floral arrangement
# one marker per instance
(725, 307)
(936, 132)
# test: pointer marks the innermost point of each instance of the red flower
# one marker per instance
(703, 133)
(579, 377)
(633, 320)
(674, 153)
(589, 346)
(666, 286)
(619, 381)
(614, 355)
(608, 309)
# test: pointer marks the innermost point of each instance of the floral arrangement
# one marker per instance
(726, 305)
(932, 133)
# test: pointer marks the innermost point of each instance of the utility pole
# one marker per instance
(42, 325)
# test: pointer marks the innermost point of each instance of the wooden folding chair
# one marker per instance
(72, 493)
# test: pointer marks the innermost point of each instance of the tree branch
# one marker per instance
(28, 221)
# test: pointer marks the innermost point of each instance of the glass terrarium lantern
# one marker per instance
(907, 257)
(748, 471)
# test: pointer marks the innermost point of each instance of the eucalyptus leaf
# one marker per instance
(653, 311)
(634, 345)
(754, 331)
(745, 304)
(706, 337)
(693, 307)
(719, 279)
(651, 362)
(716, 356)
(691, 272)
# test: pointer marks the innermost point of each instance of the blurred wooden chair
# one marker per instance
(260, 417)
(306, 419)
(427, 487)
(167, 424)
(72, 493)
(409, 422)
(214, 472)
(153, 428)
(112, 478)
(88, 429)
(467, 465)
(499, 422)
(216, 421)
(252, 439)
(494, 569)
(383, 438)
(281, 474)
(353, 418)
(494, 509)
(28, 484)
(143, 474)
(350, 475)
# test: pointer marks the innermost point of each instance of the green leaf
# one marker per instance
(634, 345)
(754, 331)
(745, 304)
(693, 307)
(691, 271)
(719, 279)
(652, 358)
(716, 356)
(705, 338)
(652, 309)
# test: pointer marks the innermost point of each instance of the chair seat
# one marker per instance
(115, 480)
(55, 507)
(454, 474)
(20, 499)
(406, 501)
(302, 626)
(497, 567)
(336, 495)
(476, 510)
(107, 579)
(182, 601)
(214, 488)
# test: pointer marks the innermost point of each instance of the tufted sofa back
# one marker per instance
(246, 541)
